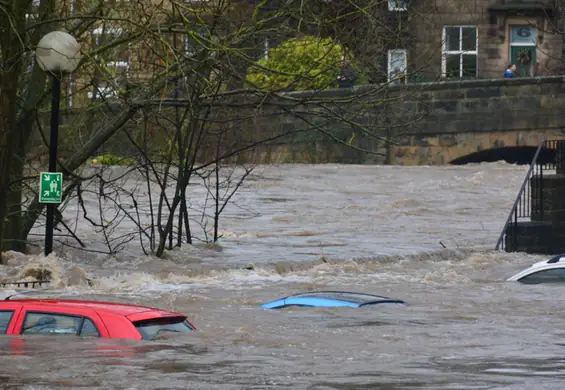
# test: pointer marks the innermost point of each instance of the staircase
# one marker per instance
(536, 223)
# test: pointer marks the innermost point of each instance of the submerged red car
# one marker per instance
(88, 318)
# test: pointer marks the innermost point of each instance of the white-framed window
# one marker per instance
(189, 46)
(397, 5)
(523, 36)
(70, 89)
(117, 63)
(396, 66)
(460, 50)
(32, 18)
(266, 49)
(32, 15)
(109, 84)
(107, 92)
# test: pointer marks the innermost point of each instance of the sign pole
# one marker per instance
(53, 146)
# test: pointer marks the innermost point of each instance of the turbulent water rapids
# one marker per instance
(422, 234)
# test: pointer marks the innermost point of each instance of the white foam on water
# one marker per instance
(507, 370)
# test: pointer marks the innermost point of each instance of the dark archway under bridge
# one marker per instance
(522, 155)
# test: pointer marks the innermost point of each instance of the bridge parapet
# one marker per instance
(453, 119)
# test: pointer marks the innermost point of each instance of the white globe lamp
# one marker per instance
(58, 52)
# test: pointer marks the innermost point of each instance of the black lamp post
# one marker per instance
(57, 53)
(53, 146)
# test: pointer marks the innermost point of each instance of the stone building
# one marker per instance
(415, 40)
(475, 38)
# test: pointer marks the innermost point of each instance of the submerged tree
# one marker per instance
(164, 82)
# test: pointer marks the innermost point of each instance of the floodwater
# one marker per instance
(422, 234)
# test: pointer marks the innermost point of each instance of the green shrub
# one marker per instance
(308, 63)
(110, 159)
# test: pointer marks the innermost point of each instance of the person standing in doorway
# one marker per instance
(509, 73)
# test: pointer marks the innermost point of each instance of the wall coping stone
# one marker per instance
(428, 86)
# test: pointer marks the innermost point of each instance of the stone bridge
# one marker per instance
(485, 120)
(454, 122)
(429, 123)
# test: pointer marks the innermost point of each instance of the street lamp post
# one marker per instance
(57, 53)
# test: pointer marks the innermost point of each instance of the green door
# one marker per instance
(524, 57)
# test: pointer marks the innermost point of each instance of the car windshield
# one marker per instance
(150, 329)
(341, 296)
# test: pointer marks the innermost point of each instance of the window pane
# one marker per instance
(397, 4)
(452, 38)
(556, 275)
(396, 64)
(469, 65)
(397, 61)
(151, 329)
(118, 53)
(469, 38)
(89, 329)
(5, 317)
(47, 323)
(453, 65)
(523, 35)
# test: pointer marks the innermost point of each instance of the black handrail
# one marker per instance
(524, 205)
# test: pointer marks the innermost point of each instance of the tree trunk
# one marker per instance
(7, 117)
(12, 22)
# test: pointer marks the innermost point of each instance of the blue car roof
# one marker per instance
(330, 299)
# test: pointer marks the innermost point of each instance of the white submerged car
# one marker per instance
(547, 271)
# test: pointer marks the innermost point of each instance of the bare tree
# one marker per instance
(164, 81)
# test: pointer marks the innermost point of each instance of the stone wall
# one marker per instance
(493, 19)
(544, 233)
(447, 120)
(471, 116)
(428, 123)
(544, 202)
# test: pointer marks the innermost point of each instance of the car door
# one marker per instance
(9, 314)
(59, 320)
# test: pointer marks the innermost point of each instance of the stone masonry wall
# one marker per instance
(462, 117)
(430, 16)
(428, 123)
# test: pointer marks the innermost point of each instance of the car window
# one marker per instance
(150, 329)
(555, 275)
(5, 317)
(50, 323)
(89, 329)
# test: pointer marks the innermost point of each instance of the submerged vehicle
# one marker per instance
(88, 318)
(547, 271)
(330, 299)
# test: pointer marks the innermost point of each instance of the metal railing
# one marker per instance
(529, 202)
(25, 284)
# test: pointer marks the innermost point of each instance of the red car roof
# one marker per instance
(108, 307)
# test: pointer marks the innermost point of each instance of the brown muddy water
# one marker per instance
(373, 229)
